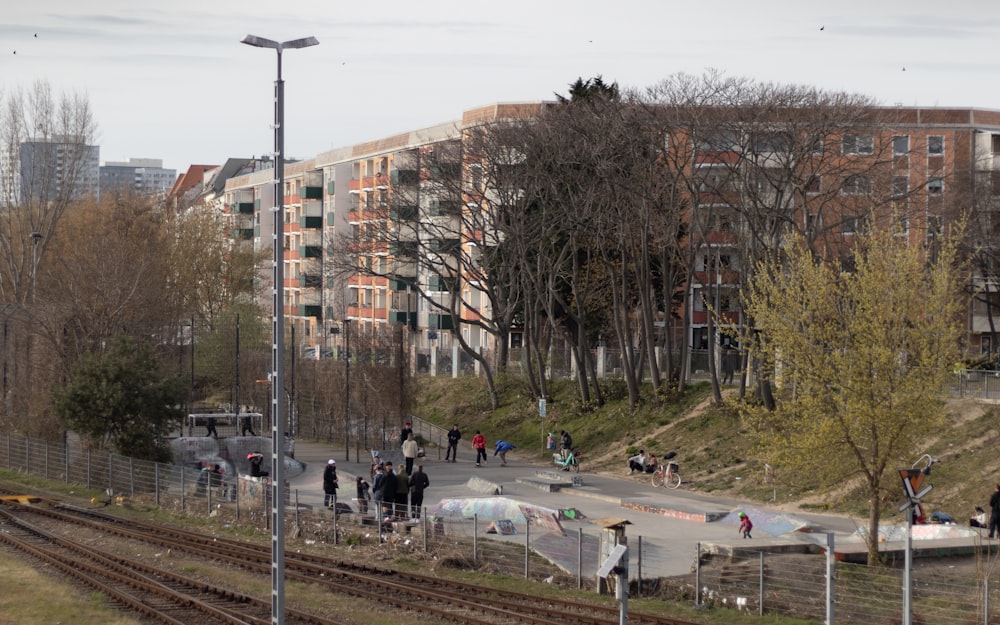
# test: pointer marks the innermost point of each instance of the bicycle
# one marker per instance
(569, 462)
(667, 474)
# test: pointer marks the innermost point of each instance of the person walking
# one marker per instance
(995, 513)
(745, 525)
(402, 493)
(454, 435)
(410, 450)
(418, 482)
(330, 484)
(404, 433)
(246, 424)
(479, 444)
(210, 426)
(502, 447)
(362, 494)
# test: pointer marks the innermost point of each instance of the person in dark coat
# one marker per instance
(418, 482)
(405, 433)
(330, 484)
(566, 442)
(256, 462)
(402, 492)
(995, 513)
(363, 486)
(454, 435)
(388, 485)
(377, 478)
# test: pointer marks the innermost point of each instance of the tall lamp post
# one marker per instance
(278, 332)
(35, 238)
(347, 396)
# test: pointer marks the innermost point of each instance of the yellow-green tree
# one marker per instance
(860, 356)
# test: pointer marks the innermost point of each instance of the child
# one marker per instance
(745, 525)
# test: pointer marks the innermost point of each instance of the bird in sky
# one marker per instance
(822, 27)
(36, 35)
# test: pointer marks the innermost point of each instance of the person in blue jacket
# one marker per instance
(502, 448)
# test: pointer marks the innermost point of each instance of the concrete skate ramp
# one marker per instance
(497, 509)
(191, 451)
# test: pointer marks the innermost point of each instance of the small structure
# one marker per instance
(612, 535)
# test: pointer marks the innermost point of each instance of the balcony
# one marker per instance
(245, 208)
(312, 193)
(311, 222)
(441, 322)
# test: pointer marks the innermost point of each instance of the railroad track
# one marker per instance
(428, 595)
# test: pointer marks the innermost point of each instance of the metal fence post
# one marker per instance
(89, 468)
(183, 491)
(131, 476)
(831, 560)
(697, 574)
(475, 538)
(156, 483)
(46, 469)
(527, 545)
(638, 568)
(579, 559)
(760, 608)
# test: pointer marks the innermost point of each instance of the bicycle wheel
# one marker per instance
(673, 480)
(657, 479)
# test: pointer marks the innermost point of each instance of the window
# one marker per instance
(995, 143)
(857, 184)
(935, 186)
(851, 224)
(900, 225)
(712, 179)
(901, 145)
(773, 142)
(815, 143)
(814, 184)
(900, 186)
(858, 144)
(813, 222)
(935, 144)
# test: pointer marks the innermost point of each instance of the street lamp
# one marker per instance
(35, 238)
(278, 333)
(347, 396)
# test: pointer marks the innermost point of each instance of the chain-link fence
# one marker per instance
(811, 585)
(798, 584)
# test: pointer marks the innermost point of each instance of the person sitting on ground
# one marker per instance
(637, 463)
(979, 519)
(651, 464)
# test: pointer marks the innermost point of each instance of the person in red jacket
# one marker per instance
(745, 525)
(479, 444)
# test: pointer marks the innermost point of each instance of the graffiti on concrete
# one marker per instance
(498, 509)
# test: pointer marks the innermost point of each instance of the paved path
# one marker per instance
(671, 523)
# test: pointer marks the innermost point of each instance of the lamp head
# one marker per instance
(262, 42)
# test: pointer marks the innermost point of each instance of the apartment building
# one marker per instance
(142, 175)
(57, 167)
(387, 203)
(920, 168)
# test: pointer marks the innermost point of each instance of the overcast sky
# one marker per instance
(170, 79)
